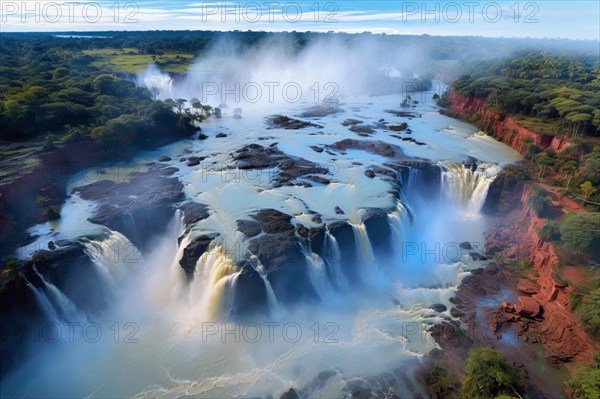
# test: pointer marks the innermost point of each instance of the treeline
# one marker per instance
(53, 91)
(560, 89)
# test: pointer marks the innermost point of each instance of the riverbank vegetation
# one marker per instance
(553, 94)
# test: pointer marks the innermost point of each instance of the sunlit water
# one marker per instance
(163, 338)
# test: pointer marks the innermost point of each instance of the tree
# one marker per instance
(539, 202)
(581, 231)
(585, 381)
(544, 161)
(488, 375)
(587, 189)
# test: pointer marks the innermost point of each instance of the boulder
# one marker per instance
(465, 245)
(438, 307)
(193, 252)
(527, 287)
(528, 307)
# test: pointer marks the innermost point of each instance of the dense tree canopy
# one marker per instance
(555, 88)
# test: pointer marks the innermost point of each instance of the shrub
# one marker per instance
(585, 381)
(488, 375)
(539, 202)
(581, 232)
(550, 231)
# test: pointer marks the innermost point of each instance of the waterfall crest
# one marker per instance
(466, 185)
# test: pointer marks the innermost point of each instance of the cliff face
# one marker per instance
(542, 313)
(505, 129)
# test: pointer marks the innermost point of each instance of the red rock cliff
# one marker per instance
(554, 325)
(504, 128)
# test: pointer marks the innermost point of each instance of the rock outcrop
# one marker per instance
(542, 311)
(139, 208)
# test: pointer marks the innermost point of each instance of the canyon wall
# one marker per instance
(504, 128)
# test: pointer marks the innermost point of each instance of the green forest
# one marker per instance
(559, 92)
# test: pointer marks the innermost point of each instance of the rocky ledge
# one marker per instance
(138, 208)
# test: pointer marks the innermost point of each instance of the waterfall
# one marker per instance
(272, 299)
(397, 220)
(333, 258)
(468, 188)
(215, 272)
(54, 303)
(318, 274)
(45, 304)
(365, 250)
(114, 256)
(63, 305)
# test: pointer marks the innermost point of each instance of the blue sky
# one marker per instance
(544, 18)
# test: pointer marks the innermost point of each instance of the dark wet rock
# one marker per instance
(255, 156)
(70, 269)
(317, 219)
(321, 110)
(402, 114)
(351, 122)
(454, 312)
(477, 256)
(182, 159)
(504, 192)
(285, 122)
(51, 245)
(465, 245)
(274, 221)
(221, 135)
(193, 251)
(194, 212)
(202, 136)
(164, 158)
(398, 128)
(438, 307)
(249, 228)
(369, 173)
(194, 161)
(316, 148)
(378, 230)
(319, 179)
(290, 394)
(470, 163)
(363, 130)
(250, 293)
(339, 210)
(373, 147)
(384, 171)
(139, 208)
(279, 250)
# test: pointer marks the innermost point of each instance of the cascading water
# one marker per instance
(466, 186)
(173, 358)
(114, 255)
(211, 289)
(45, 305)
(317, 273)
(333, 259)
(65, 310)
(364, 247)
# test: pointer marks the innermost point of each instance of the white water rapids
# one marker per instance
(163, 337)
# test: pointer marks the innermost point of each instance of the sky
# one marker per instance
(577, 19)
